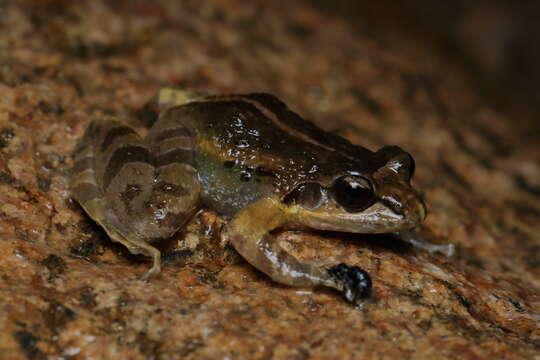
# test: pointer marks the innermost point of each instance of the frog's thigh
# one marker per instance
(249, 233)
(154, 194)
(176, 186)
(113, 180)
(108, 149)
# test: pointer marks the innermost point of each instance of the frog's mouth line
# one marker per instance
(377, 219)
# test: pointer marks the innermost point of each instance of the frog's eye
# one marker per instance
(398, 161)
(403, 165)
(353, 193)
(309, 195)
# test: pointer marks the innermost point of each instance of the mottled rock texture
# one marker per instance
(67, 292)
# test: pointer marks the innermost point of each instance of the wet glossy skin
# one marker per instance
(254, 162)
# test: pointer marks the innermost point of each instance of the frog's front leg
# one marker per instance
(136, 194)
(250, 234)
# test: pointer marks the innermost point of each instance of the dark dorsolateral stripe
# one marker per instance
(83, 164)
(125, 155)
(291, 120)
(176, 156)
(113, 134)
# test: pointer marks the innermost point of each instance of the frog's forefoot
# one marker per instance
(417, 240)
(355, 282)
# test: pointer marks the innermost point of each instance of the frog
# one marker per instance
(257, 164)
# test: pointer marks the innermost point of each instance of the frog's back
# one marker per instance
(248, 146)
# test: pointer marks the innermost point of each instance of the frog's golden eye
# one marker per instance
(403, 165)
(397, 161)
(353, 193)
(309, 195)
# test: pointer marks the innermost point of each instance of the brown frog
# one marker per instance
(258, 165)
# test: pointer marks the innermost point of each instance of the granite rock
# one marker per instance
(67, 292)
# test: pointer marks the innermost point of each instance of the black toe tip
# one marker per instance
(356, 281)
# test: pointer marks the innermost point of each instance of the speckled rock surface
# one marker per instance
(66, 292)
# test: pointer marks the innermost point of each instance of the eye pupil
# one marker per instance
(353, 193)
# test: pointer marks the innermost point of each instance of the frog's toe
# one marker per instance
(153, 271)
(156, 264)
(355, 282)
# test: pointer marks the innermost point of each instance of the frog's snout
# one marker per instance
(408, 205)
(421, 210)
(415, 210)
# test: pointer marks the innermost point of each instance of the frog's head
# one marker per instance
(362, 202)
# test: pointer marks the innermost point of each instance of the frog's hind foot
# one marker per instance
(140, 247)
(165, 99)
(171, 97)
(152, 252)
(153, 271)
(135, 246)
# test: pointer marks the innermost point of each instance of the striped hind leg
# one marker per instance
(117, 183)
